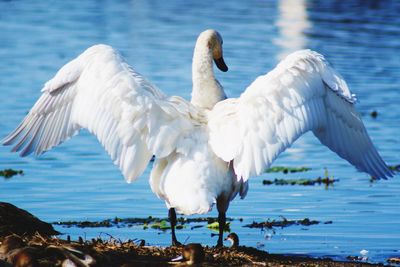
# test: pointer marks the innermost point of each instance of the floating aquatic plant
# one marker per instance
(215, 226)
(395, 168)
(326, 180)
(110, 222)
(8, 173)
(318, 181)
(162, 225)
(283, 223)
(147, 222)
(286, 170)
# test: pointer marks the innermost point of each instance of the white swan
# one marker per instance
(205, 149)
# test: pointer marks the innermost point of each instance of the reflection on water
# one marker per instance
(292, 24)
(77, 180)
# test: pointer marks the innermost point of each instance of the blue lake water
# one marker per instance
(77, 180)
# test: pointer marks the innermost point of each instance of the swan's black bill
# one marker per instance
(221, 64)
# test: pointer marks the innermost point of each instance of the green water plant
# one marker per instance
(270, 224)
(395, 168)
(215, 226)
(317, 181)
(327, 180)
(146, 222)
(8, 173)
(161, 225)
(286, 170)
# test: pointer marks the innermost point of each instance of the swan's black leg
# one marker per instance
(221, 222)
(222, 207)
(172, 221)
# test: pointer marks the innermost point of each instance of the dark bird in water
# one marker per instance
(234, 238)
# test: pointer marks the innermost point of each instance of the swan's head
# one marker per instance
(213, 41)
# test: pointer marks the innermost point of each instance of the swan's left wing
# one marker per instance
(302, 93)
(100, 92)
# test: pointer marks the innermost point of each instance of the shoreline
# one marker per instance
(52, 251)
(25, 238)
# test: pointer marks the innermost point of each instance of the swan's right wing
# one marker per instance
(303, 93)
(100, 92)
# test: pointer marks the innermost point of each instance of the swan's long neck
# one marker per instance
(206, 89)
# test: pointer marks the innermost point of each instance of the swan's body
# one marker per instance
(207, 149)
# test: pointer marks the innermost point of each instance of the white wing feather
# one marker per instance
(302, 93)
(98, 91)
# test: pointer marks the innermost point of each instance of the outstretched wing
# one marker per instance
(100, 92)
(302, 93)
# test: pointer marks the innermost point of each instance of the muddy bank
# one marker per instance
(38, 250)
(14, 220)
(27, 241)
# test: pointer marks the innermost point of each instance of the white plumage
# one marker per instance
(205, 150)
(303, 93)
